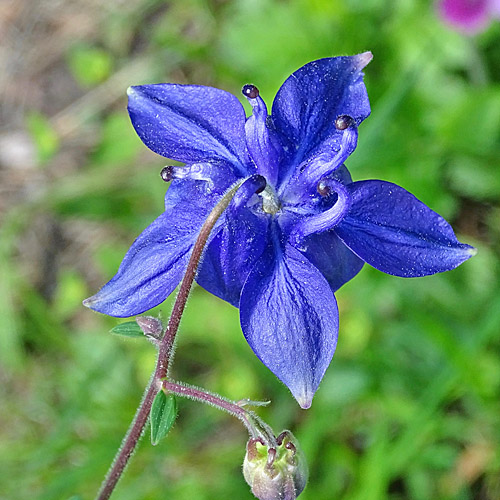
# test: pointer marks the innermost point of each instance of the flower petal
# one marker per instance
(465, 15)
(201, 190)
(261, 141)
(156, 261)
(328, 253)
(396, 233)
(190, 123)
(289, 317)
(232, 253)
(308, 103)
(239, 242)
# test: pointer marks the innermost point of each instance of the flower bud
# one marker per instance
(275, 473)
(150, 326)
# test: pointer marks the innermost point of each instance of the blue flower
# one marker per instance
(281, 254)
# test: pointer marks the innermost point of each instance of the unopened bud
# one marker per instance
(150, 326)
(275, 473)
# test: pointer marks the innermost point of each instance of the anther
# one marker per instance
(344, 121)
(167, 173)
(250, 91)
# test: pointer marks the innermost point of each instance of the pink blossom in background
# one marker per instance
(469, 16)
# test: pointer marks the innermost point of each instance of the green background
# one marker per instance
(410, 406)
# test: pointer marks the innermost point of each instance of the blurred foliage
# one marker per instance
(44, 136)
(410, 407)
(89, 65)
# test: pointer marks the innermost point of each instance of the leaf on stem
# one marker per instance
(163, 414)
(128, 329)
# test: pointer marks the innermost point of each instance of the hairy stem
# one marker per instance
(249, 419)
(197, 394)
(165, 348)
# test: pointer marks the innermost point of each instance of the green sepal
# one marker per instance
(163, 415)
(128, 329)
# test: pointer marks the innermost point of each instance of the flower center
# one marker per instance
(270, 202)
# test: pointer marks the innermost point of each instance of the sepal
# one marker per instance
(190, 123)
(275, 473)
(396, 233)
(289, 317)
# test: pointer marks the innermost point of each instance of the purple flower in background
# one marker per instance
(278, 255)
(469, 16)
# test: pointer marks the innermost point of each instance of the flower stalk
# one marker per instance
(256, 427)
(166, 344)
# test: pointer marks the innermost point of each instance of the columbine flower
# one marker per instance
(281, 254)
(469, 16)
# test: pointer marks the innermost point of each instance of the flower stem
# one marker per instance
(256, 427)
(165, 349)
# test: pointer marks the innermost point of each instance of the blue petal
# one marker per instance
(156, 261)
(328, 253)
(232, 253)
(396, 233)
(190, 123)
(327, 218)
(217, 176)
(289, 317)
(202, 193)
(261, 141)
(239, 242)
(308, 103)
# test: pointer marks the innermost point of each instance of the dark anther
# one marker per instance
(323, 188)
(250, 91)
(344, 121)
(167, 173)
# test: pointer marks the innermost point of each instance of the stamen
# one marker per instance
(326, 220)
(270, 202)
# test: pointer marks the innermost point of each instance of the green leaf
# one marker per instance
(163, 414)
(128, 329)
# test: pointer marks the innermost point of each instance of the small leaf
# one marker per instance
(163, 414)
(128, 329)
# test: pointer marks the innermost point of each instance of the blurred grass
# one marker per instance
(409, 408)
